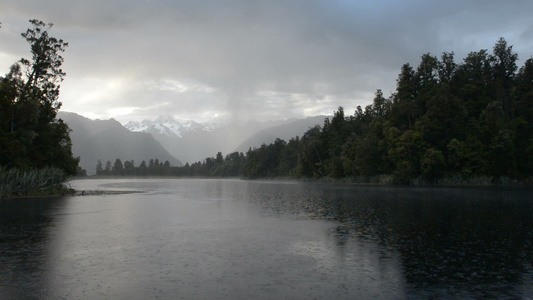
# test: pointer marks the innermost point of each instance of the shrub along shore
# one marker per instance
(36, 182)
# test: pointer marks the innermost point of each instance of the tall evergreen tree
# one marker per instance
(99, 168)
(31, 135)
(405, 105)
(118, 167)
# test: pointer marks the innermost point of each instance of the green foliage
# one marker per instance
(310, 163)
(16, 183)
(264, 161)
(30, 134)
(432, 165)
(445, 121)
(118, 167)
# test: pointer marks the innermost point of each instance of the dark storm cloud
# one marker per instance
(258, 58)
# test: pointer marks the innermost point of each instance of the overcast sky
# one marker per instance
(242, 59)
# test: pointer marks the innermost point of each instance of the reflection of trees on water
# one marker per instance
(474, 243)
(480, 246)
(24, 237)
(461, 242)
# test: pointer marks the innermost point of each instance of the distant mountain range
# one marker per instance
(167, 138)
(188, 140)
(285, 132)
(108, 140)
(168, 126)
(191, 142)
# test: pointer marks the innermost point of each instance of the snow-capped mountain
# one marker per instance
(107, 140)
(191, 142)
(168, 126)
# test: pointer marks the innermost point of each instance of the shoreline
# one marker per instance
(329, 180)
(324, 181)
(74, 193)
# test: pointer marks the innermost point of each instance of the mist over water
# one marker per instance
(233, 239)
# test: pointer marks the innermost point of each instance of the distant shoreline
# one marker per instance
(323, 180)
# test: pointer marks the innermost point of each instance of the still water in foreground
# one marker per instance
(232, 239)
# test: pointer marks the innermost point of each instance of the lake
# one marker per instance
(237, 239)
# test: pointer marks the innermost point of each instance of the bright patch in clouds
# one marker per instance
(176, 86)
(240, 59)
(121, 111)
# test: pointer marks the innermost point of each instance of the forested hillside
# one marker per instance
(447, 122)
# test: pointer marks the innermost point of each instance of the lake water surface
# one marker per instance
(234, 239)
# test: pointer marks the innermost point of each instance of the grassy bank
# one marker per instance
(41, 182)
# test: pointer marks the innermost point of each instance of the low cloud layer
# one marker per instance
(242, 59)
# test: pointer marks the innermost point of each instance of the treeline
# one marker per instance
(447, 122)
(219, 166)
